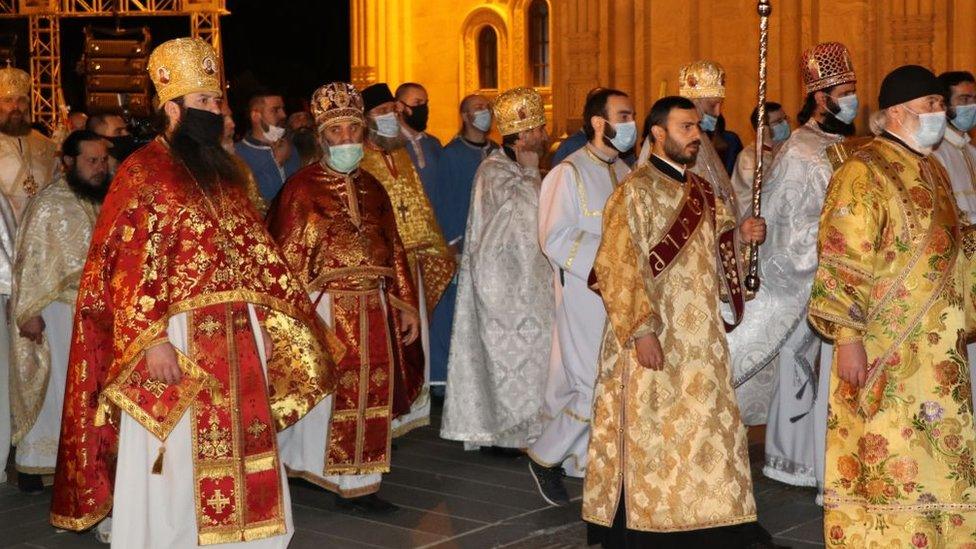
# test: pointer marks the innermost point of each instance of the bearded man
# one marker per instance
(192, 343)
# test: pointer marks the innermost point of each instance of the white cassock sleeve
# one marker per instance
(564, 242)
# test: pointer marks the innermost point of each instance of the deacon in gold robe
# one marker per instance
(894, 291)
(192, 343)
(432, 264)
(337, 230)
(51, 249)
(668, 459)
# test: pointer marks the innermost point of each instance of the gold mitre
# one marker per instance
(701, 79)
(337, 102)
(825, 65)
(14, 82)
(519, 109)
(183, 66)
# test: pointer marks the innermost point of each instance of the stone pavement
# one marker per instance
(448, 498)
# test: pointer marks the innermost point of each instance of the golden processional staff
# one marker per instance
(752, 279)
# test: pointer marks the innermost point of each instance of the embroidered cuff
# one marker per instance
(844, 335)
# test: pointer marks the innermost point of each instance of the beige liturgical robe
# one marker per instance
(22, 160)
(52, 245)
(671, 440)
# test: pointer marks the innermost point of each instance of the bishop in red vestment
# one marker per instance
(336, 227)
(192, 344)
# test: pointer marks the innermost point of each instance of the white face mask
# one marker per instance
(387, 125)
(931, 128)
(482, 120)
(625, 135)
(965, 117)
(848, 108)
(274, 133)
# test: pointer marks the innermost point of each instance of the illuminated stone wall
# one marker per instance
(638, 45)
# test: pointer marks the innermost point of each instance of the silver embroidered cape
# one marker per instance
(792, 199)
(500, 344)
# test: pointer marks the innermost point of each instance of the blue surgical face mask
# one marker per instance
(931, 128)
(847, 106)
(781, 131)
(625, 135)
(345, 158)
(482, 120)
(965, 117)
(387, 125)
(708, 122)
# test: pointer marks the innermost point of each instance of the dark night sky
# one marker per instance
(290, 46)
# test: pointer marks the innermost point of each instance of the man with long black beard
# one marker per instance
(193, 344)
(432, 264)
(27, 158)
(51, 248)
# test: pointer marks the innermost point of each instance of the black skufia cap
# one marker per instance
(906, 83)
(376, 95)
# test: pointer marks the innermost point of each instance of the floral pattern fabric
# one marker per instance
(900, 450)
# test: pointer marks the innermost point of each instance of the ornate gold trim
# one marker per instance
(368, 270)
(402, 305)
(581, 192)
(195, 381)
(260, 463)
(68, 282)
(410, 426)
(574, 249)
(700, 526)
(83, 522)
(319, 481)
(259, 530)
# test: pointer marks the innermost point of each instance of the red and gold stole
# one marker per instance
(237, 479)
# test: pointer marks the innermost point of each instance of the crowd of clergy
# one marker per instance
(192, 319)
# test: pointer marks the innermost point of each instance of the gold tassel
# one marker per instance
(102, 412)
(157, 468)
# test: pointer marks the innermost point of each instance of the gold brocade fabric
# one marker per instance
(20, 179)
(672, 440)
(900, 450)
(52, 245)
(251, 187)
(422, 237)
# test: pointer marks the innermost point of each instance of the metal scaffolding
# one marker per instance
(44, 17)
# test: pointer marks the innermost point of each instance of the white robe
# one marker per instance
(503, 322)
(775, 339)
(37, 451)
(304, 445)
(158, 511)
(958, 156)
(7, 233)
(570, 225)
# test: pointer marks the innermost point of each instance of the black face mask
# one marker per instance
(418, 117)
(123, 146)
(203, 126)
